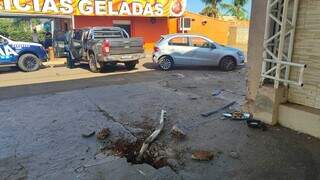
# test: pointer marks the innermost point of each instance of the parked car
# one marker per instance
(26, 55)
(187, 49)
(101, 46)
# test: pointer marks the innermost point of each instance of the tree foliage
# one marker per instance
(236, 8)
(211, 8)
(17, 30)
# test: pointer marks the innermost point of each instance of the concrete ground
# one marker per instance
(42, 126)
(11, 76)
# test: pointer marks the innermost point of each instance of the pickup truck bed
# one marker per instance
(101, 46)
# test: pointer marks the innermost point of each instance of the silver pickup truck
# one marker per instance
(101, 46)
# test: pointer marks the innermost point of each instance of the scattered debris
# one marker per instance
(179, 75)
(256, 124)
(171, 154)
(234, 155)
(248, 117)
(153, 136)
(238, 115)
(193, 97)
(218, 110)
(88, 134)
(141, 172)
(202, 155)
(79, 169)
(103, 134)
(216, 92)
(191, 87)
(173, 164)
(178, 132)
(160, 161)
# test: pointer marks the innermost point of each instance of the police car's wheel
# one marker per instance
(93, 64)
(29, 63)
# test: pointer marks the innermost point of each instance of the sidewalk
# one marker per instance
(14, 77)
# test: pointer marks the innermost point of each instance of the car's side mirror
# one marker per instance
(212, 46)
(4, 42)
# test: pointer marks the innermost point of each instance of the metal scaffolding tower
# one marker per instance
(278, 43)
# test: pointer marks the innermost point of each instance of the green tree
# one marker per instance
(211, 8)
(18, 29)
(236, 8)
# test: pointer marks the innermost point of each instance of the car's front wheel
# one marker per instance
(29, 63)
(165, 63)
(228, 63)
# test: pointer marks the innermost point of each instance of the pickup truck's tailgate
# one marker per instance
(126, 46)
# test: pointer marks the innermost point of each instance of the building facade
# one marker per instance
(151, 28)
(284, 64)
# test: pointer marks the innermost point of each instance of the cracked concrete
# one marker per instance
(40, 135)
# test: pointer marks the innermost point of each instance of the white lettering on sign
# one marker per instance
(110, 9)
(17, 4)
(85, 7)
(159, 9)
(100, 7)
(50, 6)
(148, 11)
(7, 51)
(66, 6)
(125, 9)
(95, 7)
(137, 9)
(36, 6)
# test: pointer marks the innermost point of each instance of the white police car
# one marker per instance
(27, 56)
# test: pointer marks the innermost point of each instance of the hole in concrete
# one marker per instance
(154, 156)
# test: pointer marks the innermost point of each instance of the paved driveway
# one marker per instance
(42, 126)
(13, 77)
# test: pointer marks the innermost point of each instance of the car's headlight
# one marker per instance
(240, 54)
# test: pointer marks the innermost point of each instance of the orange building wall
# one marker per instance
(215, 29)
(140, 26)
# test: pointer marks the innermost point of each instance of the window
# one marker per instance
(105, 33)
(179, 41)
(186, 25)
(200, 42)
(77, 35)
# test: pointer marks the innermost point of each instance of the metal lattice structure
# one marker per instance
(281, 21)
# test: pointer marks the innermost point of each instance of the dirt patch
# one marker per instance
(103, 134)
(155, 156)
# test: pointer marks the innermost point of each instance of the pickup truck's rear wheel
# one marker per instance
(130, 65)
(29, 63)
(93, 64)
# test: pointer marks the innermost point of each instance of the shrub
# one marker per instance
(18, 30)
